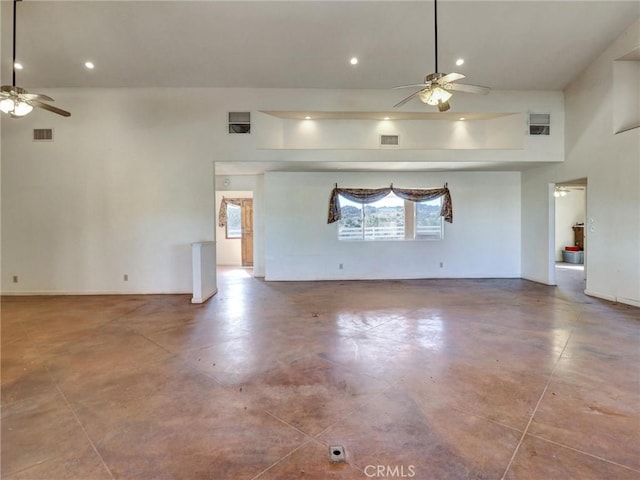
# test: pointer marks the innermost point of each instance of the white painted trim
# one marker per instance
(629, 301)
(604, 296)
(487, 276)
(613, 298)
(204, 298)
(203, 258)
(551, 239)
(539, 280)
(34, 293)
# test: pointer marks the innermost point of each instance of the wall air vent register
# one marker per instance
(389, 140)
(539, 123)
(42, 134)
(239, 122)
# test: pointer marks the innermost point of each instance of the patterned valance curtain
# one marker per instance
(370, 195)
(222, 214)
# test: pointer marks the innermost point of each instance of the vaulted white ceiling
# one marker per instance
(506, 44)
(521, 45)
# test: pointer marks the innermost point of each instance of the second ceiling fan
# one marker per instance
(16, 101)
(435, 90)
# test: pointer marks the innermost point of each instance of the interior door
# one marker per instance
(247, 232)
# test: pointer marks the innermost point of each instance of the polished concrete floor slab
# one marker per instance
(425, 379)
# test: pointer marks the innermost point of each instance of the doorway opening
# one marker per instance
(234, 229)
(570, 245)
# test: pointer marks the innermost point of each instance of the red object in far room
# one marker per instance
(572, 249)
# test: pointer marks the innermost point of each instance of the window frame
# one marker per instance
(226, 227)
(410, 222)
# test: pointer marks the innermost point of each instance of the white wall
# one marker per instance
(228, 250)
(127, 184)
(612, 165)
(570, 209)
(124, 188)
(626, 94)
(483, 241)
(495, 134)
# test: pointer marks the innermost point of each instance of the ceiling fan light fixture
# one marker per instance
(434, 96)
(21, 109)
(7, 105)
(443, 106)
(15, 107)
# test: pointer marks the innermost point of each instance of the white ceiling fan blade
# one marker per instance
(37, 96)
(423, 85)
(461, 87)
(402, 102)
(51, 108)
(8, 90)
(450, 77)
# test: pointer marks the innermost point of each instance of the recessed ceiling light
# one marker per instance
(462, 118)
(89, 65)
(387, 118)
(17, 66)
(307, 117)
(459, 61)
(354, 61)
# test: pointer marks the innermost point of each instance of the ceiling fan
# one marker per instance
(436, 89)
(16, 101)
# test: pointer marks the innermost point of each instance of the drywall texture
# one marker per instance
(483, 241)
(612, 165)
(124, 189)
(128, 182)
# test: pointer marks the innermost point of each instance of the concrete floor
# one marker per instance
(425, 379)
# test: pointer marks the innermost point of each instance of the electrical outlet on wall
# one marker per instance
(126, 277)
(15, 279)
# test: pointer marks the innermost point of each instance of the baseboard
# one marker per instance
(400, 277)
(604, 296)
(539, 280)
(204, 298)
(629, 301)
(613, 298)
(36, 293)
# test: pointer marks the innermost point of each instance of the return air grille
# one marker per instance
(239, 122)
(42, 134)
(389, 140)
(539, 123)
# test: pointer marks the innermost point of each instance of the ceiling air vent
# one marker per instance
(42, 134)
(389, 140)
(239, 122)
(539, 123)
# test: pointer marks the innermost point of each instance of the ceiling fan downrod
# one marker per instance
(13, 65)
(435, 28)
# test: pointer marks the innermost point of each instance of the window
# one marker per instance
(428, 222)
(234, 221)
(381, 220)
(390, 219)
